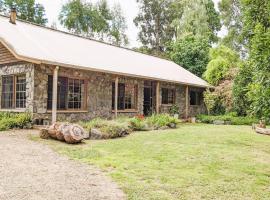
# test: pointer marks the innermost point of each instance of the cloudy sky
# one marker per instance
(130, 9)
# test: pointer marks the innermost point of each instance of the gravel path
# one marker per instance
(32, 171)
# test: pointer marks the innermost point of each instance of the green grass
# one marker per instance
(191, 162)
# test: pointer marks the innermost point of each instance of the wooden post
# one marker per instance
(157, 97)
(54, 96)
(116, 97)
(187, 102)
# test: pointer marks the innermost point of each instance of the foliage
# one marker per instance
(230, 12)
(259, 59)
(241, 103)
(95, 20)
(222, 61)
(192, 162)
(154, 23)
(199, 18)
(162, 121)
(210, 99)
(229, 118)
(174, 109)
(109, 129)
(192, 53)
(13, 120)
(27, 10)
(138, 124)
(118, 27)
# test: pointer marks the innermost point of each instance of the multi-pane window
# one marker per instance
(70, 93)
(127, 96)
(13, 92)
(168, 96)
(195, 98)
(20, 91)
(75, 93)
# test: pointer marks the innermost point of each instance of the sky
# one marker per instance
(129, 7)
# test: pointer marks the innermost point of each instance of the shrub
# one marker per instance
(137, 124)
(231, 118)
(12, 120)
(108, 129)
(162, 120)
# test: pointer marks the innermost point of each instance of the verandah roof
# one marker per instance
(44, 45)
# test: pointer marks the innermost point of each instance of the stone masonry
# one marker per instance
(98, 92)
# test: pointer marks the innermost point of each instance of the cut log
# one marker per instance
(75, 134)
(69, 133)
(263, 131)
(44, 134)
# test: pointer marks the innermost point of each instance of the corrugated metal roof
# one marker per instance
(45, 45)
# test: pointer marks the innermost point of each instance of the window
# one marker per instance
(168, 96)
(195, 98)
(70, 93)
(127, 96)
(13, 92)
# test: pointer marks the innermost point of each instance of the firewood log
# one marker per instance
(263, 131)
(44, 134)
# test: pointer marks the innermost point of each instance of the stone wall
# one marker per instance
(18, 69)
(99, 94)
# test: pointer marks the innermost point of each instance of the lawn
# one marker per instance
(191, 162)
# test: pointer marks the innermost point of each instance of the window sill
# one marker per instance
(16, 110)
(126, 111)
(69, 111)
(167, 105)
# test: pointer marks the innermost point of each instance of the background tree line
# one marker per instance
(186, 31)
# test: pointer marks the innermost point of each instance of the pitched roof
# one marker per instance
(44, 45)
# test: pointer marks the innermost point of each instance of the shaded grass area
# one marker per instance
(191, 162)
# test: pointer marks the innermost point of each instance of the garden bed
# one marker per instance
(226, 120)
(107, 129)
(15, 120)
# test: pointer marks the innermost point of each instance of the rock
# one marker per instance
(219, 122)
(96, 134)
(172, 125)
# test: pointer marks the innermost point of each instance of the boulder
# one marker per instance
(96, 134)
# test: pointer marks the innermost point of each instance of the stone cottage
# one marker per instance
(59, 76)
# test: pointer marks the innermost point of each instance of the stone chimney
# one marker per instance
(13, 15)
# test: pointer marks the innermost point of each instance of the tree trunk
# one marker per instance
(263, 131)
(69, 133)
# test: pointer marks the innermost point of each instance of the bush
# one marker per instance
(230, 118)
(12, 120)
(153, 123)
(108, 129)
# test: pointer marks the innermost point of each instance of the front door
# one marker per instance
(149, 100)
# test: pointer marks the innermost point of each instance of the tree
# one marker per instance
(192, 53)
(231, 15)
(78, 17)
(98, 21)
(199, 18)
(154, 22)
(256, 32)
(27, 10)
(118, 27)
(222, 63)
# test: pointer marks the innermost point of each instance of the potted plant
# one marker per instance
(174, 111)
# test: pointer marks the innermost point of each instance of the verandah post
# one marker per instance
(116, 97)
(54, 96)
(187, 102)
(157, 97)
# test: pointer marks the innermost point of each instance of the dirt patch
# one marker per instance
(32, 171)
